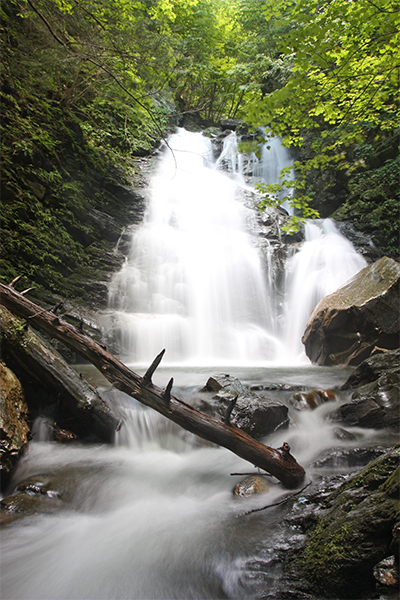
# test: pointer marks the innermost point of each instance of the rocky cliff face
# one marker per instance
(347, 325)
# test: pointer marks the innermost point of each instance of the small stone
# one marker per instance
(386, 572)
(342, 434)
(254, 484)
(62, 435)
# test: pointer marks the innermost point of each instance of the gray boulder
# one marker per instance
(348, 325)
(375, 400)
(255, 415)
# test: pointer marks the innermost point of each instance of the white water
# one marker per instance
(325, 262)
(194, 282)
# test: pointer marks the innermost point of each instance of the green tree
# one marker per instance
(344, 83)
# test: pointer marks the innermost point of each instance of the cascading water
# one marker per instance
(194, 282)
(325, 262)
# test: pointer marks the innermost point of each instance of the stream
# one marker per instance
(153, 516)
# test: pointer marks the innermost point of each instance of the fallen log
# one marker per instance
(278, 462)
(50, 370)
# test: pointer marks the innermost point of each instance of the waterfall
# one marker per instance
(274, 158)
(195, 282)
(325, 262)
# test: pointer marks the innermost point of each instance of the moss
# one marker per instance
(57, 157)
(355, 532)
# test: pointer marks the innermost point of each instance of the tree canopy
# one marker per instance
(89, 84)
(343, 89)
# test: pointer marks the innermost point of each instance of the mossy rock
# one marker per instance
(14, 422)
(355, 533)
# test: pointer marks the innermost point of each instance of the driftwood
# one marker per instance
(51, 371)
(278, 462)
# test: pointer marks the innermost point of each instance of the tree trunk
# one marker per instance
(278, 462)
(50, 370)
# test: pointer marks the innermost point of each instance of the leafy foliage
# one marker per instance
(343, 83)
(66, 123)
(87, 86)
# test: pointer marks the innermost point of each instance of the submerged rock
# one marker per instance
(23, 505)
(255, 415)
(14, 422)
(48, 492)
(346, 326)
(312, 399)
(342, 434)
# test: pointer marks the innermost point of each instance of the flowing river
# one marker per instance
(153, 516)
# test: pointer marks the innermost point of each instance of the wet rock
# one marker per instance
(354, 533)
(39, 485)
(105, 224)
(374, 406)
(281, 387)
(22, 505)
(346, 326)
(312, 399)
(375, 402)
(255, 415)
(234, 125)
(49, 492)
(215, 383)
(14, 422)
(62, 435)
(361, 241)
(341, 458)
(386, 572)
(254, 484)
(372, 368)
(395, 545)
(342, 434)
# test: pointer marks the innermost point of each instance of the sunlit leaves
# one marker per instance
(344, 80)
(345, 69)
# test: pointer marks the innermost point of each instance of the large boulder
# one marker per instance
(346, 326)
(255, 415)
(14, 422)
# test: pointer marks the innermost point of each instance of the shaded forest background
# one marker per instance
(89, 88)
